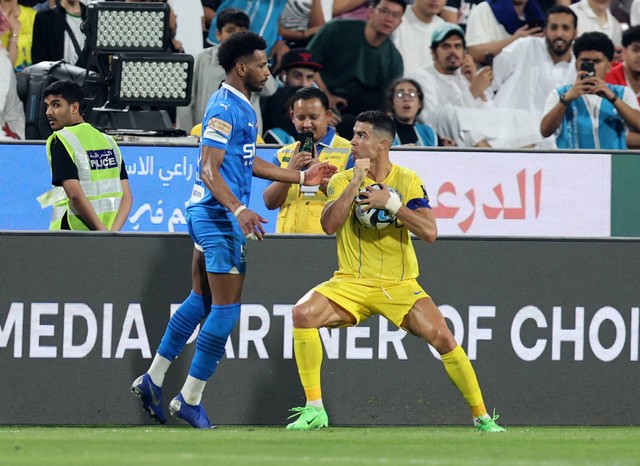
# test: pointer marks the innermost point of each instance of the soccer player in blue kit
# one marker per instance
(219, 223)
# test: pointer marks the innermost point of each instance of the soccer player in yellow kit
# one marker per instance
(377, 272)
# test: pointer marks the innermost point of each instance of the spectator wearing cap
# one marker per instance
(457, 102)
(299, 69)
(359, 58)
(208, 74)
(301, 206)
(492, 25)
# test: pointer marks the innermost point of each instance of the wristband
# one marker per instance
(563, 101)
(301, 177)
(239, 209)
(612, 100)
(393, 204)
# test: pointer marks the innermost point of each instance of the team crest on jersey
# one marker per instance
(330, 191)
(220, 126)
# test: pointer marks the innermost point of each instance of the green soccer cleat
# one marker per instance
(488, 424)
(309, 418)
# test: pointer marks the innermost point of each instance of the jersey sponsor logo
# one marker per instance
(102, 159)
(225, 106)
(220, 126)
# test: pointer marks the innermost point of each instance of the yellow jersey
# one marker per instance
(368, 253)
(301, 210)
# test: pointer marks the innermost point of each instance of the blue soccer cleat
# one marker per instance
(150, 395)
(194, 415)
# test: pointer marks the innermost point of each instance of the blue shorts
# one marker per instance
(221, 240)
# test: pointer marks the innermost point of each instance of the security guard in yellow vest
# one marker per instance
(91, 187)
(301, 206)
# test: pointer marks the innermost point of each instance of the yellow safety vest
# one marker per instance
(99, 162)
(301, 210)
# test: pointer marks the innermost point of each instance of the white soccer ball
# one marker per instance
(376, 218)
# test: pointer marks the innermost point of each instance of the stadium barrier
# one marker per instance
(473, 193)
(551, 326)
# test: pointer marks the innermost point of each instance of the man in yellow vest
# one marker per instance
(91, 186)
(301, 206)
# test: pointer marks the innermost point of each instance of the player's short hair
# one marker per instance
(308, 93)
(557, 9)
(402, 3)
(380, 121)
(390, 93)
(68, 90)
(630, 36)
(238, 46)
(594, 42)
(232, 16)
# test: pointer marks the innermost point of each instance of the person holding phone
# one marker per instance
(590, 113)
(301, 206)
(494, 25)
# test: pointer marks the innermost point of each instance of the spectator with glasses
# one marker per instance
(359, 59)
(405, 101)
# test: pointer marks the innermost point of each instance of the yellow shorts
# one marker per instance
(363, 298)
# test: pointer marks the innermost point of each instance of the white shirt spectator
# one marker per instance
(454, 112)
(634, 14)
(413, 40)
(524, 74)
(589, 22)
(483, 27)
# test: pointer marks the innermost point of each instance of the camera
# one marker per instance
(488, 59)
(587, 69)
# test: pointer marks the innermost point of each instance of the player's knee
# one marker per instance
(442, 340)
(304, 316)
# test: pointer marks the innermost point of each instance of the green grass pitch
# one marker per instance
(230, 445)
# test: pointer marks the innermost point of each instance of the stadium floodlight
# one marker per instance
(113, 27)
(159, 79)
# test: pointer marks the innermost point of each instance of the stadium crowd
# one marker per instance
(481, 73)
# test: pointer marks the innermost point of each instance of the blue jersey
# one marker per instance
(229, 124)
(263, 18)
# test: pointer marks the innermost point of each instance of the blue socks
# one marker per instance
(212, 339)
(182, 324)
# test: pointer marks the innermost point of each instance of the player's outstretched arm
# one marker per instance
(250, 222)
(336, 212)
(313, 176)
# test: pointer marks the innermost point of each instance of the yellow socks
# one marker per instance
(461, 373)
(308, 351)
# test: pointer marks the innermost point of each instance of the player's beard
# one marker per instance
(255, 86)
